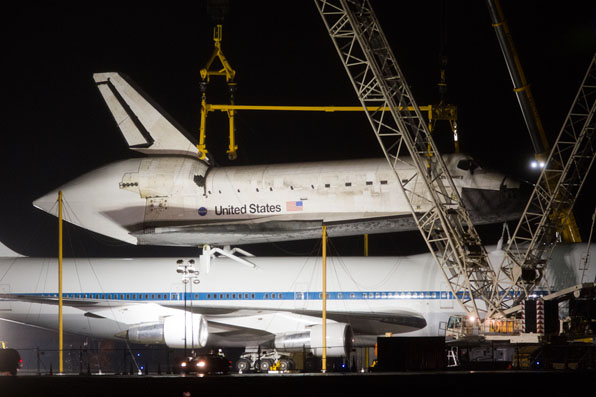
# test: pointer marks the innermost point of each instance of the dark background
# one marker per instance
(55, 125)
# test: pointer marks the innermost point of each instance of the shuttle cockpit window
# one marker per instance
(467, 165)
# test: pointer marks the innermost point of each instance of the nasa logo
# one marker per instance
(202, 211)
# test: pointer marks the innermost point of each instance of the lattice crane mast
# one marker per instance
(556, 191)
(441, 216)
(397, 123)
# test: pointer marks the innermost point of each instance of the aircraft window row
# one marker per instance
(413, 295)
(167, 296)
(379, 295)
(327, 186)
(272, 295)
(227, 296)
(243, 296)
(112, 296)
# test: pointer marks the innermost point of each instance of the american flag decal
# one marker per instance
(293, 205)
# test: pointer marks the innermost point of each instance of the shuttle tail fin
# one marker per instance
(145, 128)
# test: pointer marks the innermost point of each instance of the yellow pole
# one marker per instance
(202, 129)
(324, 363)
(366, 357)
(60, 325)
(232, 155)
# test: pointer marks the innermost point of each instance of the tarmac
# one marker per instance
(485, 383)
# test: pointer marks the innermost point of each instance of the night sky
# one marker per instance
(55, 125)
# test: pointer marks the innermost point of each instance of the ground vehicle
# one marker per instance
(203, 364)
(262, 360)
(10, 361)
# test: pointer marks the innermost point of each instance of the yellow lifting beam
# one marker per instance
(443, 112)
(434, 112)
(227, 69)
(229, 73)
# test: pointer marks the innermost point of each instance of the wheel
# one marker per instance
(265, 364)
(243, 365)
(286, 364)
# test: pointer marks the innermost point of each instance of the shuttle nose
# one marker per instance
(505, 201)
(509, 183)
(96, 202)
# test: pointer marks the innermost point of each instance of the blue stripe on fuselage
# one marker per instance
(254, 296)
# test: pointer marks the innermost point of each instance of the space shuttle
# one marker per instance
(171, 198)
(277, 304)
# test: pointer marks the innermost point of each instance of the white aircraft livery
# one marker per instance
(275, 303)
(170, 197)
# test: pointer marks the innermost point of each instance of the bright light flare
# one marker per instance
(537, 164)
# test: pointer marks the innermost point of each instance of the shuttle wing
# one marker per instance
(250, 232)
(145, 128)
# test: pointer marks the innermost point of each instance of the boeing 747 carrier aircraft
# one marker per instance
(274, 304)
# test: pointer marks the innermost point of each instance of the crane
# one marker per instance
(440, 215)
(556, 191)
(569, 231)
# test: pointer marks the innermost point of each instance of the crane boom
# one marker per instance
(553, 197)
(397, 123)
(527, 104)
(520, 85)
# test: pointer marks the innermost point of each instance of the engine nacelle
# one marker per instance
(171, 332)
(340, 340)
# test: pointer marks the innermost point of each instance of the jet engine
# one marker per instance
(172, 332)
(340, 339)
